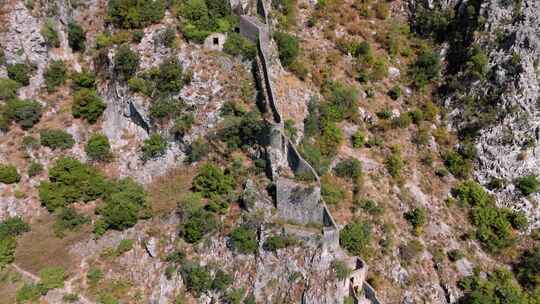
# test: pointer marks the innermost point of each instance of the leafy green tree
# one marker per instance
(211, 180)
(426, 68)
(358, 139)
(88, 105)
(83, 79)
(236, 45)
(154, 146)
(123, 206)
(9, 174)
(499, 287)
(9, 229)
(276, 242)
(288, 47)
(341, 269)
(28, 293)
(170, 79)
(244, 239)
(349, 168)
(55, 75)
(417, 217)
(98, 148)
(456, 164)
(198, 279)
(130, 14)
(126, 61)
(76, 37)
(24, 112)
(355, 237)
(56, 139)
(198, 223)
(20, 72)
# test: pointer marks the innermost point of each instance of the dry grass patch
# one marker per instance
(40, 248)
(166, 190)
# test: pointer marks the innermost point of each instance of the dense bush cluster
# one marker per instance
(68, 219)
(277, 242)
(8, 88)
(332, 192)
(26, 113)
(88, 105)
(244, 240)
(56, 139)
(83, 79)
(9, 174)
(126, 61)
(98, 148)
(243, 130)
(426, 68)
(202, 17)
(528, 184)
(197, 223)
(154, 146)
(237, 45)
(213, 181)
(349, 168)
(498, 287)
(10, 228)
(20, 72)
(494, 225)
(76, 37)
(355, 237)
(459, 166)
(130, 14)
(288, 47)
(417, 217)
(55, 75)
(50, 34)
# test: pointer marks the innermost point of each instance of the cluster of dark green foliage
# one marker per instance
(26, 113)
(196, 224)
(83, 79)
(395, 163)
(130, 14)
(202, 17)
(166, 79)
(455, 255)
(368, 66)
(68, 219)
(76, 37)
(244, 240)
(8, 88)
(527, 269)
(349, 168)
(10, 228)
(237, 45)
(98, 148)
(154, 146)
(9, 174)
(126, 61)
(55, 75)
(288, 47)
(213, 181)
(494, 225)
(355, 237)
(50, 34)
(277, 242)
(49, 278)
(243, 129)
(417, 217)
(20, 72)
(168, 36)
(88, 105)
(34, 169)
(498, 287)
(56, 139)
(426, 68)
(528, 184)
(457, 164)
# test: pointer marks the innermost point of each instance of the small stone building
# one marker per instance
(215, 41)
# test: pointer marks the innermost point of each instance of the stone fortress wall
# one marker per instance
(297, 201)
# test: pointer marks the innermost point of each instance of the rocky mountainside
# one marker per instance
(284, 151)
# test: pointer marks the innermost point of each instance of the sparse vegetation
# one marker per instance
(8, 88)
(355, 237)
(236, 45)
(154, 147)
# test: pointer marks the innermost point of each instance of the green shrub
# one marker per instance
(138, 36)
(426, 68)
(55, 75)
(12, 227)
(98, 148)
(126, 61)
(403, 121)
(8, 88)
(342, 100)
(499, 287)
(332, 192)
(169, 78)
(71, 181)
(244, 240)
(528, 184)
(7, 250)
(56, 139)
(236, 45)
(330, 139)
(221, 281)
(394, 92)
(198, 279)
(197, 151)
(358, 139)
(123, 207)
(24, 112)
(355, 237)
(70, 298)
(129, 14)
(68, 219)
(154, 146)
(349, 168)
(244, 131)
(94, 275)
(168, 37)
(341, 269)
(124, 246)
(182, 125)
(395, 164)
(34, 169)
(51, 278)
(76, 37)
(417, 217)
(107, 298)
(288, 47)
(9, 174)
(234, 296)
(164, 108)
(528, 269)
(197, 224)
(83, 79)
(277, 242)
(456, 164)
(455, 255)
(87, 104)
(211, 181)
(470, 193)
(28, 293)
(477, 65)
(20, 72)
